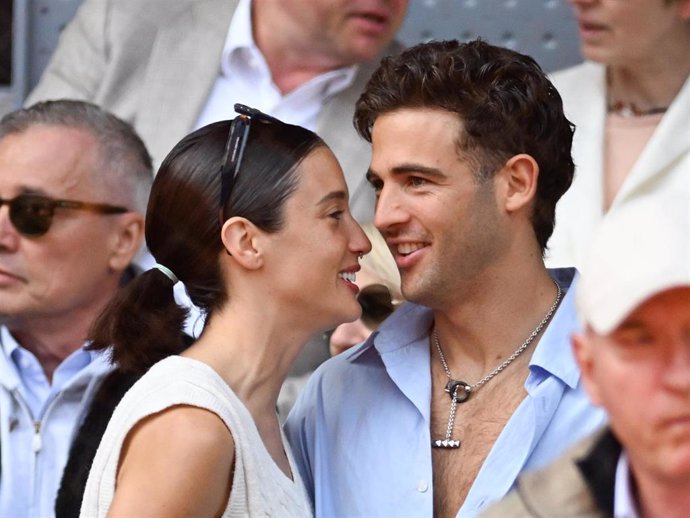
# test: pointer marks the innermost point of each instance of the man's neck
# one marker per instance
(53, 339)
(290, 58)
(662, 499)
(495, 318)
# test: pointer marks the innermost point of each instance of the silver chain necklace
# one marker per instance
(460, 391)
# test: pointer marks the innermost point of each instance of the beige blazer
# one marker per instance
(154, 62)
(663, 167)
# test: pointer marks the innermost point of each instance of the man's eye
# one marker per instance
(338, 214)
(637, 339)
(377, 185)
(416, 181)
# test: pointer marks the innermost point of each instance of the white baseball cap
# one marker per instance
(640, 249)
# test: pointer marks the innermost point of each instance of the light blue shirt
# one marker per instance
(38, 421)
(360, 431)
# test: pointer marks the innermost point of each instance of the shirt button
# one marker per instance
(422, 486)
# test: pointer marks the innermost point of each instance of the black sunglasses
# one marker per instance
(377, 304)
(32, 214)
(235, 146)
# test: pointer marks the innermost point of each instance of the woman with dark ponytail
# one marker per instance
(252, 216)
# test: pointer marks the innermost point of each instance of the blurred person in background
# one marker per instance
(634, 354)
(379, 284)
(630, 103)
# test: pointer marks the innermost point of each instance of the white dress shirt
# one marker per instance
(624, 505)
(245, 78)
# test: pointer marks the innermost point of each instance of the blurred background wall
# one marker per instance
(545, 29)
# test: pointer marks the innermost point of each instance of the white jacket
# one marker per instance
(663, 167)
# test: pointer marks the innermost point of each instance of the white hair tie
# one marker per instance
(167, 272)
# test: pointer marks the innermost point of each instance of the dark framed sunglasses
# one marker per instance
(377, 304)
(32, 214)
(235, 146)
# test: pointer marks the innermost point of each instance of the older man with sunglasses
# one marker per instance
(74, 182)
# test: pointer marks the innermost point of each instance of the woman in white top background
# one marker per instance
(266, 246)
(630, 103)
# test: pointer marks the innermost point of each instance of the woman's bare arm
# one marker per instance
(177, 463)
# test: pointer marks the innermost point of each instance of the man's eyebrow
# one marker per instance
(632, 324)
(409, 168)
(25, 189)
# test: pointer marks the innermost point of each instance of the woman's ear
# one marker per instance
(519, 176)
(242, 240)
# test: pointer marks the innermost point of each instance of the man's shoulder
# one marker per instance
(159, 12)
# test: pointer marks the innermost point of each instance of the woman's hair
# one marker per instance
(144, 324)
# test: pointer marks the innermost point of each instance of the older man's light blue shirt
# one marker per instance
(360, 431)
(38, 421)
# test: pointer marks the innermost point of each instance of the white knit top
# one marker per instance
(259, 487)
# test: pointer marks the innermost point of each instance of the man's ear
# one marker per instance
(519, 177)
(127, 240)
(243, 241)
(582, 348)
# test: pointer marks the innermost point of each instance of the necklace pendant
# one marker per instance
(445, 443)
(459, 391)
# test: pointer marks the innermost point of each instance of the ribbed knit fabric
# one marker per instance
(259, 487)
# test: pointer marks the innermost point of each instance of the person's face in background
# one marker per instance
(376, 302)
(344, 32)
(624, 32)
(640, 374)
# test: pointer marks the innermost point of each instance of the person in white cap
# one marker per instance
(634, 301)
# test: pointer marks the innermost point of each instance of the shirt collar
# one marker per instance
(241, 39)
(411, 322)
(553, 353)
(624, 505)
(10, 345)
(240, 31)
(407, 325)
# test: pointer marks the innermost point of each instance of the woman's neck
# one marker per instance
(252, 352)
(649, 84)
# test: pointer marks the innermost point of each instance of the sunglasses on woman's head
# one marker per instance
(32, 214)
(235, 145)
(377, 304)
